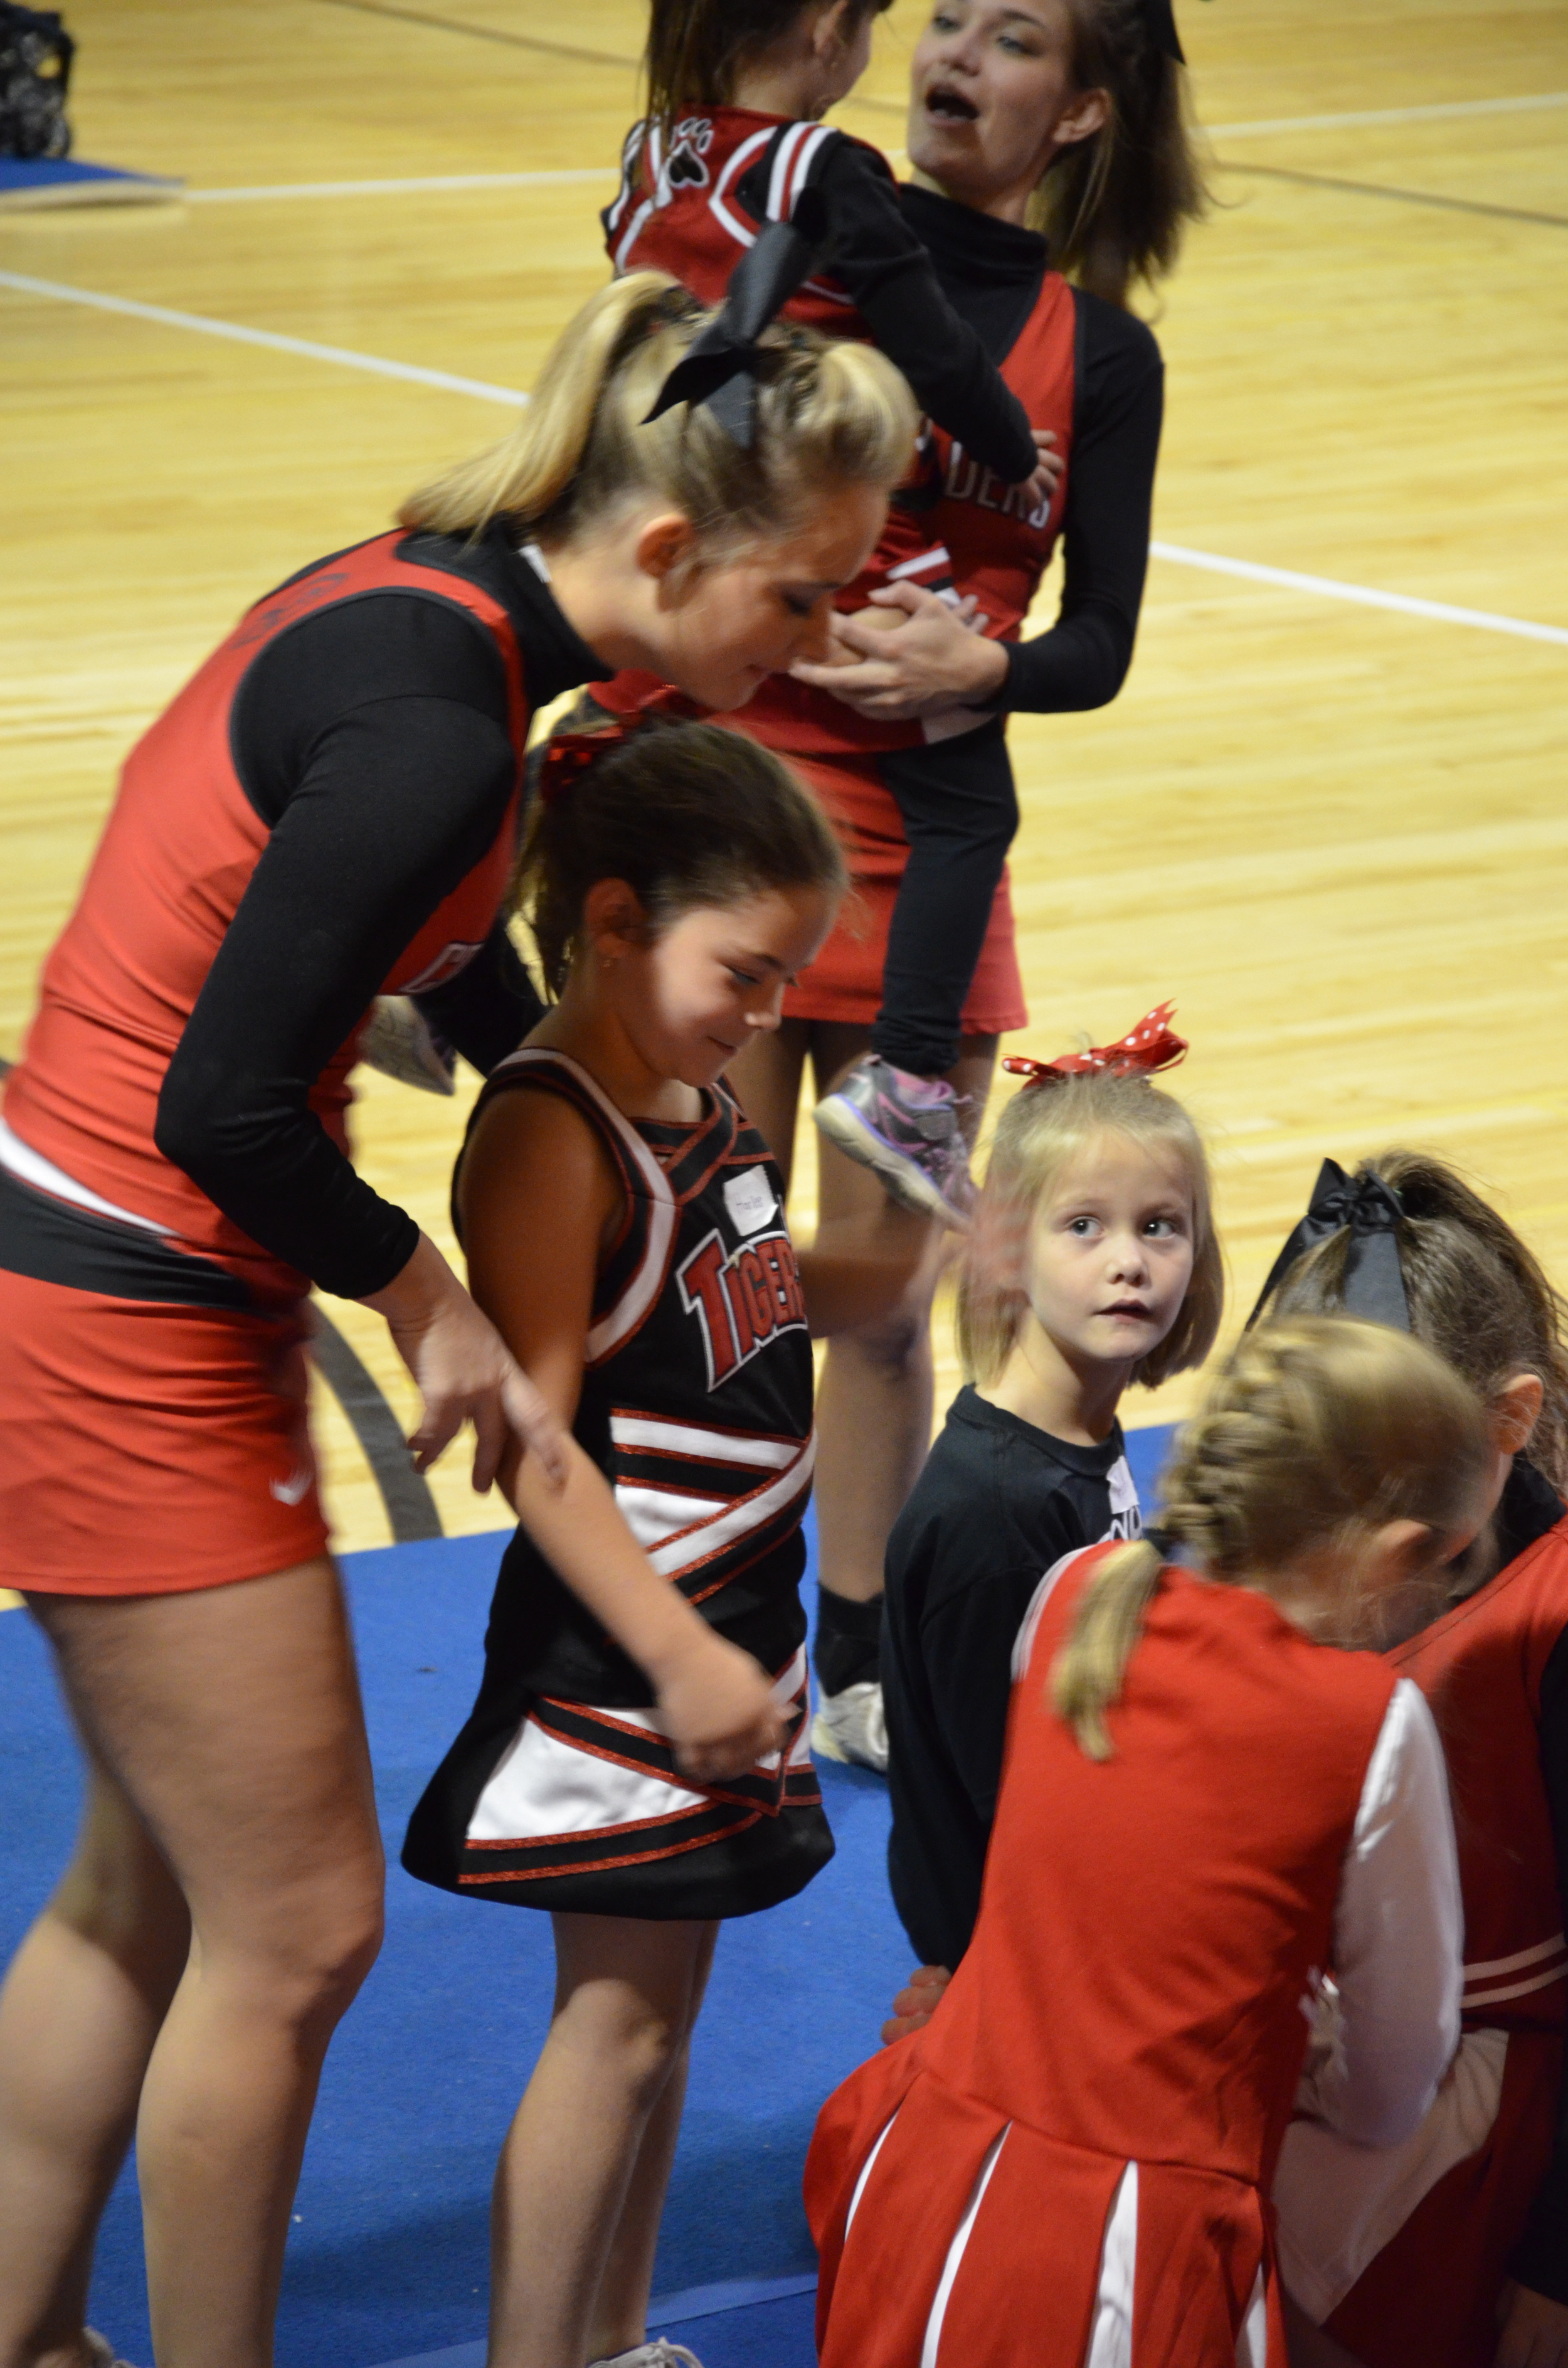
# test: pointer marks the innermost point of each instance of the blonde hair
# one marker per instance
(1314, 1428)
(1042, 1129)
(829, 414)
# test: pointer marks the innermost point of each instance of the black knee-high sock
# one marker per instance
(848, 1642)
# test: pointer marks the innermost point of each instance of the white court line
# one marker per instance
(404, 188)
(1448, 111)
(1287, 579)
(1326, 588)
(205, 325)
(413, 185)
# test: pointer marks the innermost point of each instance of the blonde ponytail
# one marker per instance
(1087, 1674)
(828, 415)
(1315, 1427)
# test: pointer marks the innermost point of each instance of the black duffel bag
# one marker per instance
(36, 51)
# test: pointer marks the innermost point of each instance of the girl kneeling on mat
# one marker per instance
(1204, 1806)
(1453, 2251)
(636, 1761)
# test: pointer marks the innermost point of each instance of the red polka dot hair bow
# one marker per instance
(568, 755)
(1153, 1044)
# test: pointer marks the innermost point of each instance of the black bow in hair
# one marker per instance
(1370, 1210)
(720, 370)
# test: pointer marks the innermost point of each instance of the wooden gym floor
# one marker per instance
(1336, 833)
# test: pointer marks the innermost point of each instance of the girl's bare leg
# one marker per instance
(874, 1404)
(79, 2014)
(582, 2176)
(621, 2319)
(228, 1722)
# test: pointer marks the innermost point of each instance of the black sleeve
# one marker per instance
(1082, 662)
(489, 1007)
(875, 255)
(967, 1645)
(398, 799)
(1540, 2257)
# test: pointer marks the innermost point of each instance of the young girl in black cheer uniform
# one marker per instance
(637, 1758)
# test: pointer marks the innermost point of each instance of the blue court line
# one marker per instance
(664, 2310)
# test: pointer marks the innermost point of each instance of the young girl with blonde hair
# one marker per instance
(1453, 2251)
(1092, 1265)
(329, 810)
(1206, 1803)
(636, 1762)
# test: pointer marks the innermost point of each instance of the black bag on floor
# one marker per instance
(36, 51)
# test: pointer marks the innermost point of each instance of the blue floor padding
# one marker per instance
(388, 2255)
(66, 180)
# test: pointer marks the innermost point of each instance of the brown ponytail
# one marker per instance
(1115, 206)
(696, 47)
(1314, 1428)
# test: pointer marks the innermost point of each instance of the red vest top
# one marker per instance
(1480, 1667)
(976, 538)
(1150, 1924)
(676, 209)
(176, 854)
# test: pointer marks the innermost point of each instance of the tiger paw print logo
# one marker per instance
(689, 144)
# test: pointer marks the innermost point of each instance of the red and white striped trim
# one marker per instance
(1549, 1959)
(653, 156)
(791, 167)
(32, 1167)
(699, 1540)
(938, 561)
(761, 1450)
(739, 160)
(643, 1289)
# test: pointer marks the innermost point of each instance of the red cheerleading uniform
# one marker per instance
(1088, 2125)
(151, 1366)
(1427, 2298)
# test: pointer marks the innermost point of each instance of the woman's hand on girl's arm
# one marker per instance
(1532, 2329)
(537, 1196)
(465, 1373)
(934, 661)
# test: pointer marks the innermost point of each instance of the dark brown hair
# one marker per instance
(697, 47)
(1114, 207)
(1476, 1294)
(687, 814)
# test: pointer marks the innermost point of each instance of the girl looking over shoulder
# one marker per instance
(1205, 1804)
(636, 1761)
(1093, 1265)
(1453, 2251)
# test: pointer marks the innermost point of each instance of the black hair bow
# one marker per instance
(1374, 1284)
(721, 369)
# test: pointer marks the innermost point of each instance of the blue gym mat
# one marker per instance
(27, 183)
(387, 2261)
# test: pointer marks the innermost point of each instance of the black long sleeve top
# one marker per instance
(990, 273)
(372, 738)
(875, 253)
(997, 1504)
